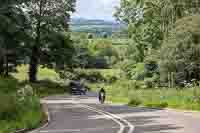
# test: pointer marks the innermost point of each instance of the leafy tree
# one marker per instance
(59, 51)
(181, 50)
(144, 27)
(48, 17)
(168, 11)
(149, 22)
(13, 33)
(152, 19)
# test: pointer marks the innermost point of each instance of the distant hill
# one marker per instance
(82, 21)
(95, 26)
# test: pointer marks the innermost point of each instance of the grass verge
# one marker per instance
(20, 108)
(135, 93)
(187, 99)
(20, 100)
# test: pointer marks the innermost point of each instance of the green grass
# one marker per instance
(46, 88)
(23, 116)
(49, 82)
(43, 74)
(16, 114)
(117, 99)
(135, 93)
(122, 92)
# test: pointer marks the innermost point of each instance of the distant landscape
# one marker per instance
(96, 26)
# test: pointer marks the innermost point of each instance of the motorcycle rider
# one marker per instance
(102, 95)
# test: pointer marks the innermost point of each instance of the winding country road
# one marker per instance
(83, 114)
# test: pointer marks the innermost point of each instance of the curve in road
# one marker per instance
(122, 126)
(116, 118)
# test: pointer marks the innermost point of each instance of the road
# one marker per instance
(83, 114)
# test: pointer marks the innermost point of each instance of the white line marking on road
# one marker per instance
(111, 116)
(131, 127)
(75, 130)
(122, 126)
(61, 131)
(64, 107)
(58, 101)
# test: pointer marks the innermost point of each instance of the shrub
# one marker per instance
(67, 75)
(134, 101)
(137, 84)
(91, 76)
(158, 105)
(111, 78)
(149, 83)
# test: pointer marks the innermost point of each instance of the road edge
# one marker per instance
(156, 108)
(46, 111)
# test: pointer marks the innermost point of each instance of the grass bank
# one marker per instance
(19, 107)
(125, 92)
(20, 100)
(136, 93)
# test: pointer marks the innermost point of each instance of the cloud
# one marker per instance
(96, 9)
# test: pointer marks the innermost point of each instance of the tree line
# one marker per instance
(164, 36)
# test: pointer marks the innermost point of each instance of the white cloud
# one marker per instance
(96, 9)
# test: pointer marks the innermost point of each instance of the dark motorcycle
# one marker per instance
(102, 96)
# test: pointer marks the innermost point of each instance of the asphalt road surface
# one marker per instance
(84, 114)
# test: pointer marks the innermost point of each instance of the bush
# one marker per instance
(110, 78)
(91, 76)
(97, 75)
(149, 83)
(158, 105)
(67, 75)
(137, 84)
(134, 101)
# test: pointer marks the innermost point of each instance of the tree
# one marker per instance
(150, 20)
(180, 51)
(13, 31)
(47, 17)
(59, 52)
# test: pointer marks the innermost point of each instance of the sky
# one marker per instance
(96, 9)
